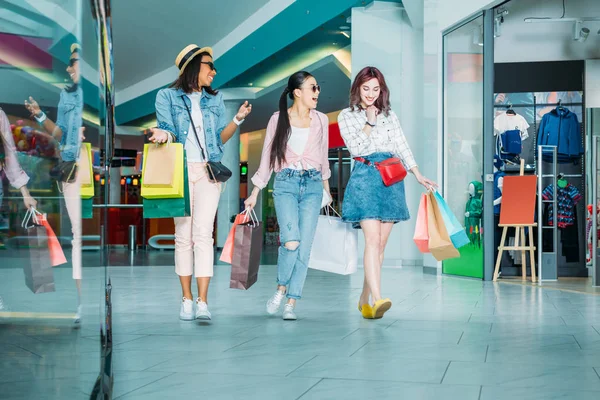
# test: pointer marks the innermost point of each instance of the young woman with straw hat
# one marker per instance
(191, 112)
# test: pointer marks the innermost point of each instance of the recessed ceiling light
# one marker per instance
(344, 28)
(250, 84)
(334, 43)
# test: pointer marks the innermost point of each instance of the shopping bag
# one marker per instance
(39, 276)
(457, 233)
(170, 208)
(440, 245)
(85, 171)
(162, 171)
(421, 236)
(87, 210)
(57, 256)
(335, 246)
(227, 253)
(247, 249)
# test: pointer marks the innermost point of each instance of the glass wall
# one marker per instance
(463, 140)
(50, 306)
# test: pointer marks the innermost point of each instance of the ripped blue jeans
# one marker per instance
(297, 196)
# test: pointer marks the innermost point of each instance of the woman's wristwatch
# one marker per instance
(370, 124)
(40, 118)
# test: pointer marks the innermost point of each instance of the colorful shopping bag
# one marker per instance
(440, 245)
(457, 233)
(247, 250)
(341, 258)
(87, 208)
(421, 236)
(85, 171)
(227, 253)
(39, 276)
(170, 208)
(35, 218)
(162, 172)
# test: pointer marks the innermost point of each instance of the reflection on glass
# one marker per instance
(52, 321)
(463, 135)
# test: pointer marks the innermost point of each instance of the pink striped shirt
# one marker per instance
(315, 153)
(15, 174)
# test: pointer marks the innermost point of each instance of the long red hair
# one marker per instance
(365, 75)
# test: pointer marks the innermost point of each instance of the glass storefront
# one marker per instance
(463, 140)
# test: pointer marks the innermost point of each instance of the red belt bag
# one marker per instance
(392, 170)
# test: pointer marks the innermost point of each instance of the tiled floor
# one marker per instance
(444, 338)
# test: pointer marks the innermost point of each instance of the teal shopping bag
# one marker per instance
(457, 233)
(170, 208)
(87, 209)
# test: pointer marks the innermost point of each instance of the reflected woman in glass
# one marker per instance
(11, 167)
(372, 133)
(68, 131)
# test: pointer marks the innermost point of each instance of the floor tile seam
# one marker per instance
(240, 344)
(351, 333)
(596, 371)
(141, 387)
(357, 350)
(301, 365)
(445, 372)
(535, 388)
(480, 391)
(395, 380)
(309, 389)
(27, 350)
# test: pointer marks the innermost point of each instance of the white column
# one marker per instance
(382, 36)
(230, 199)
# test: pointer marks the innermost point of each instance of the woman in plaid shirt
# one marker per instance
(371, 130)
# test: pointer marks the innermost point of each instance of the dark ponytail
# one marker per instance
(283, 130)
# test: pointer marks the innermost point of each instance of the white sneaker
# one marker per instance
(288, 313)
(77, 319)
(274, 302)
(202, 310)
(186, 313)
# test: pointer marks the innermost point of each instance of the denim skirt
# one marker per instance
(366, 197)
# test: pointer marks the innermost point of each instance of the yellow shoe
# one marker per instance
(366, 310)
(380, 307)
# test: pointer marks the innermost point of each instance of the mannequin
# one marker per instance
(473, 212)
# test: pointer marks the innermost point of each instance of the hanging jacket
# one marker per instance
(560, 128)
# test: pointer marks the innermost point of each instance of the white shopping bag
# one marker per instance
(335, 247)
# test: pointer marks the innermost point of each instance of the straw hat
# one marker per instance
(187, 54)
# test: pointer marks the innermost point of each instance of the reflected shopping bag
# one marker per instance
(421, 236)
(455, 230)
(440, 245)
(227, 253)
(57, 256)
(87, 208)
(170, 208)
(163, 171)
(335, 246)
(85, 171)
(247, 249)
(39, 276)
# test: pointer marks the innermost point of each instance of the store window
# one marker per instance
(463, 140)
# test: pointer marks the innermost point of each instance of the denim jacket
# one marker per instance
(69, 120)
(172, 116)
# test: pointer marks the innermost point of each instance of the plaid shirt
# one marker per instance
(385, 137)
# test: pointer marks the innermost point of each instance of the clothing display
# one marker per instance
(560, 127)
(498, 183)
(506, 122)
(567, 198)
(473, 212)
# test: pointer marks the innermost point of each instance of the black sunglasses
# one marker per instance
(72, 61)
(210, 64)
(315, 88)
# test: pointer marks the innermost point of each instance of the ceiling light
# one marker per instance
(583, 34)
(345, 34)
(477, 37)
(344, 28)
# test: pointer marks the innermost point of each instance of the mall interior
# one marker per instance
(89, 297)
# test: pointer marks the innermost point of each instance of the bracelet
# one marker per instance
(41, 119)
(370, 124)
(238, 123)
